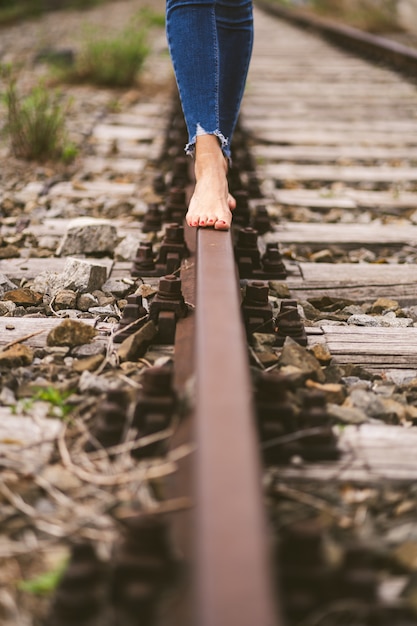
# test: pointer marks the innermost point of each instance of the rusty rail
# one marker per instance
(233, 577)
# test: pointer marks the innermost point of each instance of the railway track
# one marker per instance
(320, 366)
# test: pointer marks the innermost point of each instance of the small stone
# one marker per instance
(347, 415)
(263, 341)
(102, 310)
(267, 358)
(89, 364)
(334, 393)
(47, 283)
(279, 290)
(71, 333)
(321, 352)
(389, 320)
(297, 356)
(65, 299)
(83, 276)
(16, 356)
(85, 301)
(146, 291)
(92, 383)
(322, 256)
(86, 235)
(372, 405)
(9, 252)
(117, 287)
(383, 304)
(89, 349)
(103, 299)
(134, 346)
(7, 307)
(406, 555)
(23, 297)
(7, 397)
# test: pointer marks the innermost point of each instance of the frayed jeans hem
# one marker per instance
(223, 141)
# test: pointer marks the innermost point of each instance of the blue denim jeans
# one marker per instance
(210, 43)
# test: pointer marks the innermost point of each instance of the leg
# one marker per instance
(235, 35)
(210, 43)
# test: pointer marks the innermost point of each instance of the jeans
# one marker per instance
(210, 43)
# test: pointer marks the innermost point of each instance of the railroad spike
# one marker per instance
(289, 324)
(172, 251)
(256, 309)
(134, 316)
(261, 220)
(144, 262)
(81, 594)
(249, 261)
(155, 406)
(275, 414)
(167, 307)
(272, 263)
(143, 568)
(176, 206)
(109, 421)
(241, 214)
(152, 220)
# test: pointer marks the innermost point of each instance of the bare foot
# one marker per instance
(211, 203)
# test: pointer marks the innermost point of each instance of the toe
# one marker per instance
(203, 221)
(192, 220)
(221, 225)
(231, 201)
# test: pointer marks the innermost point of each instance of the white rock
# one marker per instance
(82, 276)
(86, 235)
(387, 320)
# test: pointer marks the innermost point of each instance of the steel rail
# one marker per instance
(233, 574)
(398, 56)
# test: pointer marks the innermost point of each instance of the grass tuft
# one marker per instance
(36, 124)
(112, 61)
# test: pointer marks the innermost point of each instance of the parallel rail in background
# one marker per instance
(398, 56)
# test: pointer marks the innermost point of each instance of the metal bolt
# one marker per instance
(256, 293)
(174, 233)
(144, 259)
(133, 311)
(152, 220)
(169, 287)
(157, 381)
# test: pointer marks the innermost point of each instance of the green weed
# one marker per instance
(111, 61)
(36, 124)
(57, 399)
(45, 583)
